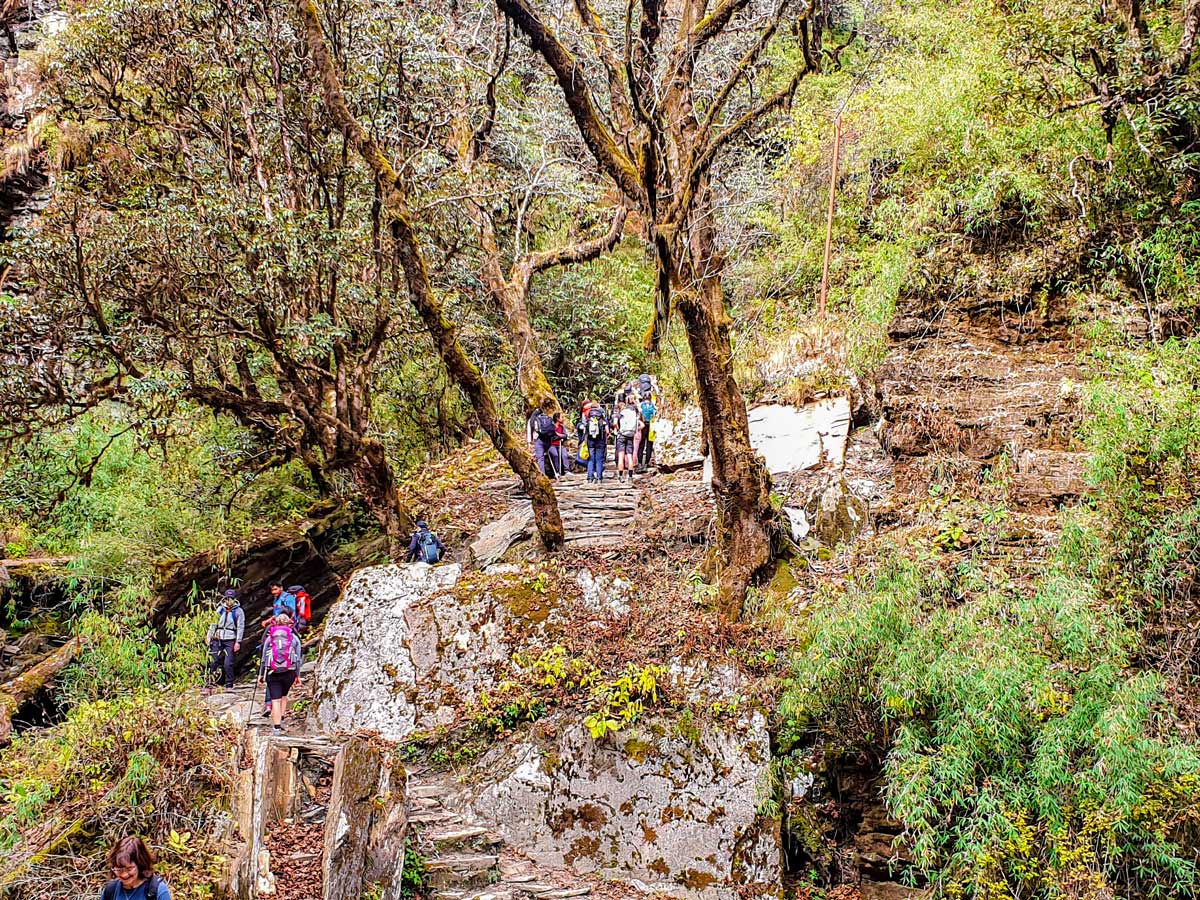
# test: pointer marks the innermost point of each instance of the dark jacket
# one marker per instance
(414, 546)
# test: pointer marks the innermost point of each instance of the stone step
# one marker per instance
(462, 839)
(432, 790)
(565, 893)
(433, 818)
(462, 870)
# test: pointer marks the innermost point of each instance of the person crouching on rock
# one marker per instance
(425, 546)
(281, 659)
(224, 639)
(133, 864)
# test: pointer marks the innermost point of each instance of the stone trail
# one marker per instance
(466, 860)
(597, 516)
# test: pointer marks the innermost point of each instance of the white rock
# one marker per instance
(793, 439)
(651, 803)
(798, 522)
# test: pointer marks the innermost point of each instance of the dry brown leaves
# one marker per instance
(459, 493)
(296, 848)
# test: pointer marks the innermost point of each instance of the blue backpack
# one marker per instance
(286, 604)
(428, 548)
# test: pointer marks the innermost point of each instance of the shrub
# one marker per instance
(1022, 753)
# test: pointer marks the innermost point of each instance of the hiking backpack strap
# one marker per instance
(110, 890)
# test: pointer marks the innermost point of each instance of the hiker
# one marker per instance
(558, 450)
(303, 606)
(596, 441)
(425, 546)
(280, 669)
(542, 434)
(628, 422)
(284, 601)
(649, 412)
(133, 864)
(224, 639)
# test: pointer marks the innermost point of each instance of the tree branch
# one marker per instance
(573, 81)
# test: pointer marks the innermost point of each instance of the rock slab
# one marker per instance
(676, 811)
(394, 645)
(366, 823)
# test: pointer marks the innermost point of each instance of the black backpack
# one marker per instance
(544, 426)
(595, 423)
(150, 884)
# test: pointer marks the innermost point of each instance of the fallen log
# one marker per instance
(16, 693)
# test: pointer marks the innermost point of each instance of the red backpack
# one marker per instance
(303, 604)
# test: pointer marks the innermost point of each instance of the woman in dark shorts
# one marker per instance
(281, 659)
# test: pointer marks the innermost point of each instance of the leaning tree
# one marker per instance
(661, 93)
(424, 297)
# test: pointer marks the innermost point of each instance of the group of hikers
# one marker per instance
(630, 421)
(280, 648)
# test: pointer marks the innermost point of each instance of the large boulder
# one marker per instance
(401, 650)
(671, 806)
(409, 648)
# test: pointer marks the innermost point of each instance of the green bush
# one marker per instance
(1022, 752)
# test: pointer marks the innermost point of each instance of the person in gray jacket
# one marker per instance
(224, 640)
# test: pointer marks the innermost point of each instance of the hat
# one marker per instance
(422, 524)
(231, 594)
(296, 587)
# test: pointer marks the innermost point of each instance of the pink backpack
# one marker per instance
(279, 648)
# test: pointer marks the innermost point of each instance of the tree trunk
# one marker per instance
(740, 481)
(531, 377)
(376, 482)
(424, 300)
(467, 375)
(16, 693)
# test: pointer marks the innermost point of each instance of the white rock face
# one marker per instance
(792, 439)
(391, 633)
(676, 811)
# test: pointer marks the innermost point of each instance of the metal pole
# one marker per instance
(833, 174)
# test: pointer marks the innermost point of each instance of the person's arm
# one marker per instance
(412, 549)
(239, 616)
(441, 547)
(212, 630)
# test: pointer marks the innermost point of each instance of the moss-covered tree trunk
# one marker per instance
(423, 297)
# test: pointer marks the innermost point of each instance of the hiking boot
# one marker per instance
(277, 729)
(207, 692)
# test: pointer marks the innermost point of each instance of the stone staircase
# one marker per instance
(597, 515)
(466, 860)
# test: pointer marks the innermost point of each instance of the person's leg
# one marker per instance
(601, 453)
(637, 444)
(539, 453)
(228, 662)
(277, 712)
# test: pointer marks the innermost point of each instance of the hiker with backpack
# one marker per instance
(649, 411)
(628, 423)
(280, 669)
(425, 546)
(303, 607)
(133, 864)
(224, 639)
(596, 430)
(543, 434)
(558, 449)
